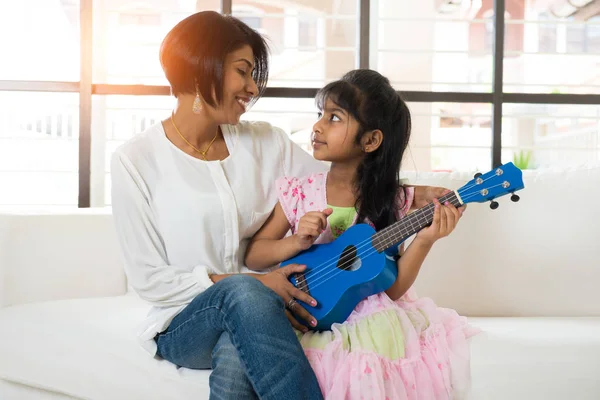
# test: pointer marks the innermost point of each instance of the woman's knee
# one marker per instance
(248, 293)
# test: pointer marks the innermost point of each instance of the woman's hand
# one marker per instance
(311, 225)
(425, 195)
(445, 218)
(279, 283)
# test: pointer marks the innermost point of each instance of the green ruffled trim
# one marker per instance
(379, 333)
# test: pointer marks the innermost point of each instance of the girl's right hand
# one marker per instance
(311, 225)
(278, 282)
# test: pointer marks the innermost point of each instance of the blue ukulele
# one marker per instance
(360, 262)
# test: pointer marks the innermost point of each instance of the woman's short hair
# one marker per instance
(194, 51)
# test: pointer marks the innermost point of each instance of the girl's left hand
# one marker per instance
(445, 218)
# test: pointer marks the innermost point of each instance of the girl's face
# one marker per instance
(334, 135)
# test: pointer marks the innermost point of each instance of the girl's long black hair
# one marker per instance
(370, 99)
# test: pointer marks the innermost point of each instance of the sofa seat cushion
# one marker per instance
(536, 358)
(86, 348)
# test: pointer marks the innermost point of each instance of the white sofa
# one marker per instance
(527, 274)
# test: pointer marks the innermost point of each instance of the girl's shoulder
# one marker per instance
(306, 183)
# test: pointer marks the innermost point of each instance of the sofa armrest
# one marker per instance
(58, 256)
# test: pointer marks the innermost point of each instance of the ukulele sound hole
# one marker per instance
(348, 261)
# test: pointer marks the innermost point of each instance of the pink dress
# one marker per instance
(386, 350)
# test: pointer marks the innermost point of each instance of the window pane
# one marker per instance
(429, 45)
(128, 34)
(39, 40)
(312, 42)
(295, 116)
(39, 149)
(559, 55)
(449, 137)
(544, 135)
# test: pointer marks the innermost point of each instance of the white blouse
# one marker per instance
(179, 218)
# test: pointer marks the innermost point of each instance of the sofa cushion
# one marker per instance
(86, 348)
(16, 391)
(55, 256)
(536, 358)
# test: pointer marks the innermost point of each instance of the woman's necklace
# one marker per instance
(202, 153)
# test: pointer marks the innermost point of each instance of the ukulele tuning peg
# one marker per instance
(477, 175)
(515, 197)
(493, 205)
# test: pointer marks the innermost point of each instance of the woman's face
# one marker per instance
(238, 86)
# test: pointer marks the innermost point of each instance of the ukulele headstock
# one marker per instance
(498, 182)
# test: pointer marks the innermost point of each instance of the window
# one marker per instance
(251, 16)
(576, 37)
(420, 48)
(583, 36)
(547, 34)
(38, 149)
(139, 19)
(482, 34)
(551, 135)
(127, 38)
(564, 61)
(449, 136)
(252, 22)
(426, 48)
(489, 30)
(39, 40)
(307, 32)
(312, 43)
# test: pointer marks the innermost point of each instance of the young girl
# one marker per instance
(394, 345)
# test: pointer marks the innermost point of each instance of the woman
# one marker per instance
(188, 193)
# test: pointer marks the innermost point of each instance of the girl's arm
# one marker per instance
(269, 246)
(409, 266)
(445, 219)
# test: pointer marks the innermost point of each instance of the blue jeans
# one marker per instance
(238, 328)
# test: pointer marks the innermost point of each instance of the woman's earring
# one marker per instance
(197, 106)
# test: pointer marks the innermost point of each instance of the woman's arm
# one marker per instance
(424, 195)
(269, 246)
(152, 277)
